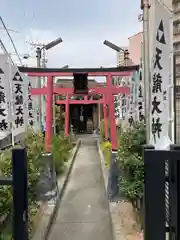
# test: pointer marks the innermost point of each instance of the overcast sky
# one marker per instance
(83, 26)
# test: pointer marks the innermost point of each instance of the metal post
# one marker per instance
(66, 129)
(147, 88)
(20, 194)
(38, 56)
(106, 135)
(174, 195)
(99, 115)
(154, 194)
(174, 100)
(110, 101)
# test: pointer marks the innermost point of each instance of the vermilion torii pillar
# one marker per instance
(49, 114)
(66, 129)
(109, 91)
(105, 121)
(110, 100)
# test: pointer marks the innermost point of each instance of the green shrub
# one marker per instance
(102, 134)
(5, 191)
(35, 146)
(61, 152)
(102, 130)
(130, 161)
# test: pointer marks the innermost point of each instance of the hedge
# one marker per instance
(129, 159)
(131, 162)
(35, 148)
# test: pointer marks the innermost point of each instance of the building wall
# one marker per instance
(176, 30)
(135, 47)
(176, 36)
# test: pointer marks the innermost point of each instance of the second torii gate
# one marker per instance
(108, 93)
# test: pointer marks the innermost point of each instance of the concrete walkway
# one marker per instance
(83, 212)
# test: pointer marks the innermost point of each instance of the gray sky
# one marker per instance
(82, 24)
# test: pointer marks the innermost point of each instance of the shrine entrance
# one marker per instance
(107, 92)
(81, 118)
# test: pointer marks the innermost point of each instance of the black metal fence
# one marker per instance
(19, 182)
(162, 194)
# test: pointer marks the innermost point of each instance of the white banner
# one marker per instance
(123, 103)
(19, 92)
(30, 106)
(141, 107)
(160, 72)
(117, 100)
(131, 120)
(126, 81)
(5, 96)
(116, 107)
(133, 100)
(136, 94)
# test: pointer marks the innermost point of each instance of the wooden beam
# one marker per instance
(80, 101)
(92, 91)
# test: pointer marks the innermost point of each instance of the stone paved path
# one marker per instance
(84, 211)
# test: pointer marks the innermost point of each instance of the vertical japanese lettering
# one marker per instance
(30, 107)
(18, 100)
(159, 94)
(131, 118)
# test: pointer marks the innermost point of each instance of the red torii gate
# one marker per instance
(108, 95)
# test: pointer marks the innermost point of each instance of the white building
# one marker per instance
(120, 57)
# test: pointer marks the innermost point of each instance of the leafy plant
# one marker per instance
(5, 191)
(131, 162)
(35, 146)
(102, 135)
(102, 132)
(34, 143)
(61, 152)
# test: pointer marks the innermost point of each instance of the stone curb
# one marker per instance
(105, 177)
(50, 209)
(112, 205)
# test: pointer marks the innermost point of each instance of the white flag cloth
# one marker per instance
(19, 92)
(160, 74)
(5, 96)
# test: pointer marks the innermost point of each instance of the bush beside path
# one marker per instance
(127, 214)
(34, 143)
